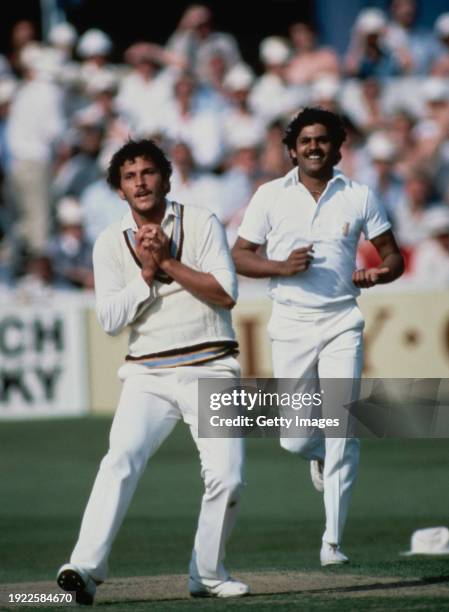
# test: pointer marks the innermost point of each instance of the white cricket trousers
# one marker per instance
(323, 345)
(150, 405)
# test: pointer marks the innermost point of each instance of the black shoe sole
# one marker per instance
(71, 581)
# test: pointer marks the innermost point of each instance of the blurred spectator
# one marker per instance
(272, 95)
(35, 123)
(410, 211)
(431, 258)
(273, 159)
(325, 92)
(401, 130)
(148, 87)
(100, 205)
(432, 131)
(69, 251)
(440, 65)
(239, 183)
(197, 41)
(8, 89)
(354, 158)
(5, 68)
(103, 109)
(413, 45)
(23, 32)
(37, 281)
(191, 186)
(368, 56)
(63, 37)
(239, 121)
(184, 120)
(309, 61)
(213, 91)
(82, 169)
(94, 48)
(380, 174)
(366, 103)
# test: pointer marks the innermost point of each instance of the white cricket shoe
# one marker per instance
(331, 554)
(227, 588)
(316, 474)
(74, 579)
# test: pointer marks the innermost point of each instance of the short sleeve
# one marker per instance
(255, 225)
(375, 218)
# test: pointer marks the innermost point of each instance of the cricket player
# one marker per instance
(165, 271)
(310, 221)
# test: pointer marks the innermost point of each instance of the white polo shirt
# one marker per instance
(168, 325)
(283, 215)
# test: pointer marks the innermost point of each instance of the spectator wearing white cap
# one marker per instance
(308, 60)
(368, 55)
(63, 36)
(325, 92)
(93, 49)
(196, 39)
(239, 121)
(440, 65)
(69, 251)
(94, 45)
(272, 95)
(36, 123)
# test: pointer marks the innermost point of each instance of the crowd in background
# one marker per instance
(64, 108)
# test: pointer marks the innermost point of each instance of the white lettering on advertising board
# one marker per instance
(42, 362)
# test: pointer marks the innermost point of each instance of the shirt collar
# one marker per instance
(128, 221)
(291, 179)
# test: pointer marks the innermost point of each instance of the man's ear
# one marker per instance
(167, 186)
(121, 194)
(292, 153)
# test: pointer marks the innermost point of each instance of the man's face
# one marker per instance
(315, 153)
(142, 185)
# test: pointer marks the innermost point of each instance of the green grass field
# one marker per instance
(47, 469)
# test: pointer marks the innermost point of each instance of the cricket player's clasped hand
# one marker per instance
(152, 248)
(368, 278)
(299, 260)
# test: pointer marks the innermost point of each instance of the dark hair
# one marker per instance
(137, 148)
(310, 116)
